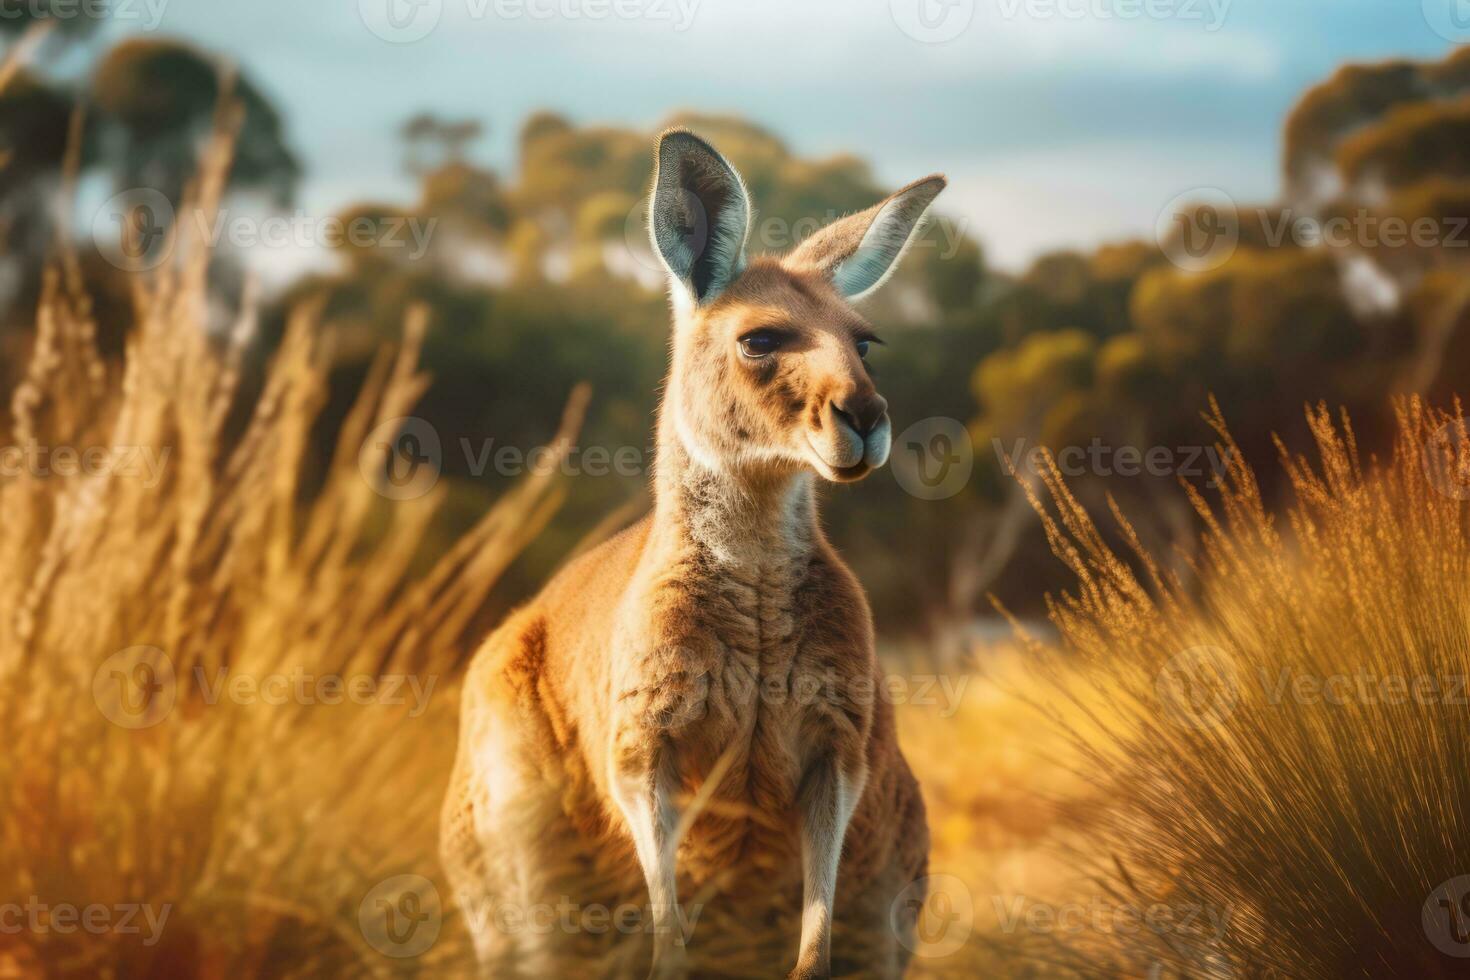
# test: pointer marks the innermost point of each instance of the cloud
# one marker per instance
(1057, 128)
(1026, 204)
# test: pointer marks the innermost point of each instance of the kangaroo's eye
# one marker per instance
(862, 349)
(759, 344)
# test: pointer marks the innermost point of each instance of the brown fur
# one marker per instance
(722, 632)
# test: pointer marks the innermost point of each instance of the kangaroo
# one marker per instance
(719, 648)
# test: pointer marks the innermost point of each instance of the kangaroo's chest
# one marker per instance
(760, 645)
(758, 688)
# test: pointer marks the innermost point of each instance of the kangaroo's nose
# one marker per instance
(861, 412)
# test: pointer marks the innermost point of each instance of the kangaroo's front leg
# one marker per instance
(828, 795)
(644, 783)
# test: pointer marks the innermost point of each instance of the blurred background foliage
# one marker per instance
(538, 278)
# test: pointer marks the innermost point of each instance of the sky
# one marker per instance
(1061, 123)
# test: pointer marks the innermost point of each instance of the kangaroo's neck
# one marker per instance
(750, 519)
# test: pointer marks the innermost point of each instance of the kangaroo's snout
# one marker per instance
(853, 436)
(862, 411)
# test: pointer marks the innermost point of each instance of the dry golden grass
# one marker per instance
(1295, 755)
(996, 780)
(257, 829)
(1164, 755)
(1270, 761)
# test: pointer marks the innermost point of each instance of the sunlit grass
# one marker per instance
(1259, 771)
(1183, 745)
(250, 829)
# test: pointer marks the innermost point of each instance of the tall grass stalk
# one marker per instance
(1285, 743)
(259, 827)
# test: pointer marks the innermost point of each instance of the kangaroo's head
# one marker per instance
(769, 369)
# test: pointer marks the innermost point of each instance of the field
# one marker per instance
(231, 692)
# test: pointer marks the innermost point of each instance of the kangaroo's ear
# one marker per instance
(859, 252)
(699, 217)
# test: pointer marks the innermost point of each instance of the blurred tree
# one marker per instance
(1117, 353)
(144, 114)
(1354, 97)
(1265, 333)
(540, 278)
(36, 120)
(433, 143)
(1380, 151)
(468, 194)
(537, 283)
(158, 100)
(43, 22)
